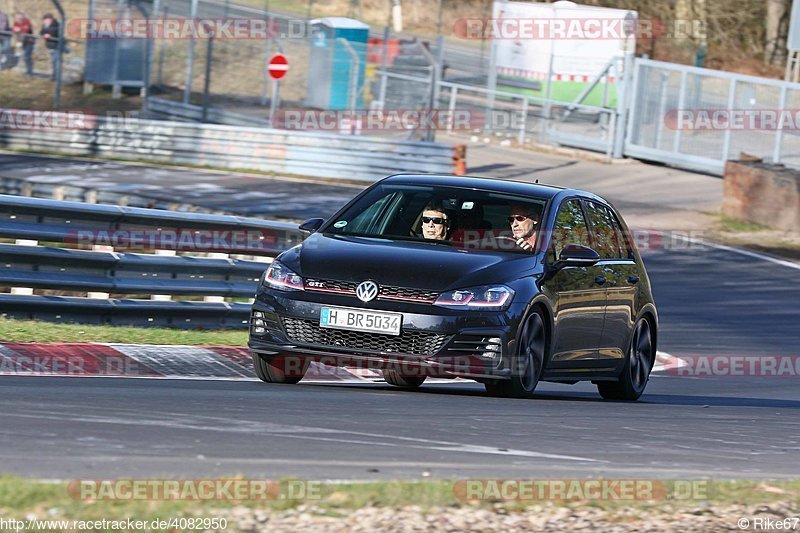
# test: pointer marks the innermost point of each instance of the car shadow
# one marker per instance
(578, 396)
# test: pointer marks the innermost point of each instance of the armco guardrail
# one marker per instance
(326, 155)
(95, 266)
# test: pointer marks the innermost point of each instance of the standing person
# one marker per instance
(24, 31)
(50, 31)
(5, 39)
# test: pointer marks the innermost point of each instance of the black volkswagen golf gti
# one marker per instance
(504, 282)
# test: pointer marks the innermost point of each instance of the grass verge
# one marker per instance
(36, 331)
(23, 497)
(756, 237)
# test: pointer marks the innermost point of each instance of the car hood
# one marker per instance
(404, 263)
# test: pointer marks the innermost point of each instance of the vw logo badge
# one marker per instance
(367, 291)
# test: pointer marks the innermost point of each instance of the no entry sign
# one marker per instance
(278, 66)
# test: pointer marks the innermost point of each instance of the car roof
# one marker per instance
(522, 188)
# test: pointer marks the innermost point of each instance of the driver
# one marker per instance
(435, 223)
(523, 220)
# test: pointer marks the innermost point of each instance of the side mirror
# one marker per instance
(311, 225)
(576, 255)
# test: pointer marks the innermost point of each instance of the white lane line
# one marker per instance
(740, 251)
(302, 432)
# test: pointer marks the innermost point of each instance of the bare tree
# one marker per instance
(777, 29)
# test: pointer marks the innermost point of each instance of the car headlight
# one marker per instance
(495, 297)
(279, 276)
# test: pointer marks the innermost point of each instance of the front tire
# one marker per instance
(527, 364)
(393, 377)
(638, 363)
(280, 369)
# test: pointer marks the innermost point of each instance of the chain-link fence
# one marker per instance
(15, 53)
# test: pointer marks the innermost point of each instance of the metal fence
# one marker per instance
(71, 261)
(515, 115)
(284, 152)
(656, 130)
(13, 57)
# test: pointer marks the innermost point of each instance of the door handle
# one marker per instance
(600, 280)
(633, 280)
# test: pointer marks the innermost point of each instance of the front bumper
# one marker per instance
(434, 341)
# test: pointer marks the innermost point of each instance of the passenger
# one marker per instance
(523, 220)
(435, 223)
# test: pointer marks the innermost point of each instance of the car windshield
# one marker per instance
(466, 219)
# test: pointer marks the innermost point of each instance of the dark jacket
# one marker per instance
(52, 29)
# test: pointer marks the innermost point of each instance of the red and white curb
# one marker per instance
(171, 361)
(665, 362)
(153, 361)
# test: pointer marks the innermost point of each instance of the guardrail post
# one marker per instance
(162, 297)
(58, 193)
(216, 299)
(24, 291)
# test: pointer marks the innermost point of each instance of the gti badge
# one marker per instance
(367, 291)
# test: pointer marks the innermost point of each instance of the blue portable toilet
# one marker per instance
(330, 63)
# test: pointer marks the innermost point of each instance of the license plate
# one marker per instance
(361, 320)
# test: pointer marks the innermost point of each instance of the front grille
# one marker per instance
(330, 285)
(385, 292)
(401, 293)
(305, 331)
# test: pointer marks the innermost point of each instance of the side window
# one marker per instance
(364, 222)
(607, 236)
(570, 228)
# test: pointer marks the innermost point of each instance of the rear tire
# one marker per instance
(527, 365)
(638, 363)
(393, 377)
(279, 369)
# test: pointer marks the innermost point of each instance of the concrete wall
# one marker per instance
(763, 193)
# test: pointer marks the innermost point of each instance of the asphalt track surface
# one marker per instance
(711, 302)
(241, 194)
